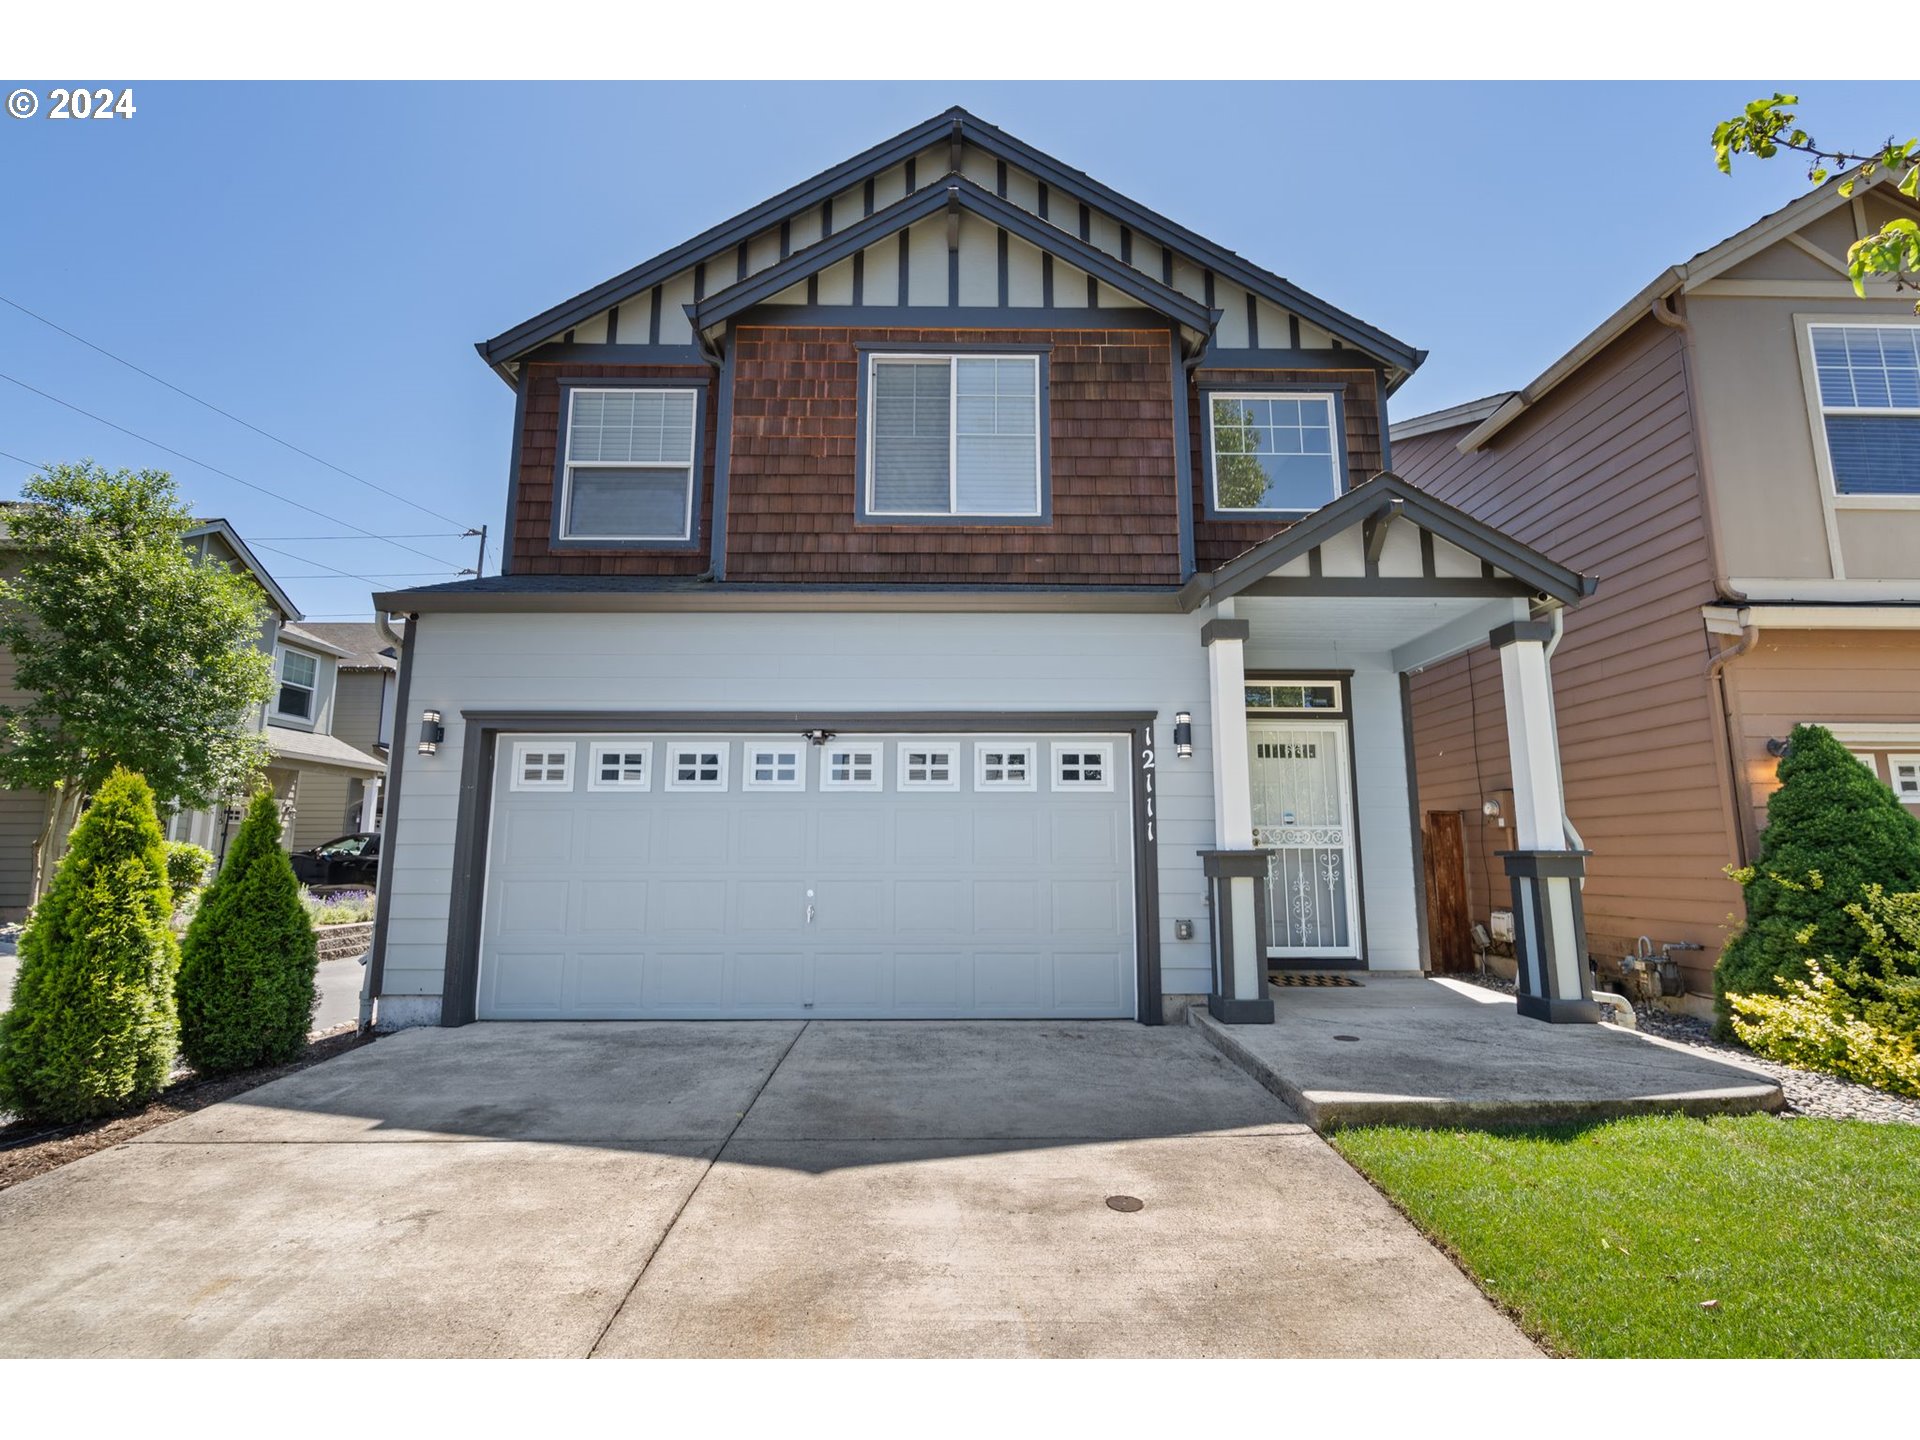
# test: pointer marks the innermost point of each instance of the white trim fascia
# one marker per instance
(1872, 736)
(1833, 617)
(1859, 594)
(1452, 418)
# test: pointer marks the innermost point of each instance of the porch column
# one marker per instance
(1235, 871)
(370, 803)
(1549, 926)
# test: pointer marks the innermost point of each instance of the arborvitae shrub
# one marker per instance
(92, 1029)
(247, 965)
(1833, 829)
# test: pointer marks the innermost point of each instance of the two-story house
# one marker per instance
(328, 725)
(1736, 450)
(947, 589)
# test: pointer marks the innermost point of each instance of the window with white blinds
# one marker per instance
(1869, 382)
(953, 435)
(629, 465)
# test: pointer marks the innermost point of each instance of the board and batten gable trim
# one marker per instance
(482, 729)
(396, 794)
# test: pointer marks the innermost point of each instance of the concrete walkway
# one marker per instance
(1445, 1053)
(735, 1189)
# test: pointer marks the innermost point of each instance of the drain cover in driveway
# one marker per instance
(1127, 1204)
(1314, 980)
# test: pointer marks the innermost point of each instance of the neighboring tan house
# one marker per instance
(23, 813)
(1736, 453)
(946, 589)
(326, 725)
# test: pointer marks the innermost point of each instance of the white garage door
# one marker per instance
(741, 876)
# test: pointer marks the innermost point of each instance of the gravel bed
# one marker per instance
(1809, 1093)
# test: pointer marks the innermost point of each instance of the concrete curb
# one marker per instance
(1326, 1111)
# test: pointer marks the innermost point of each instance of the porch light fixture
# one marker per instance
(1779, 748)
(432, 732)
(817, 735)
(1183, 735)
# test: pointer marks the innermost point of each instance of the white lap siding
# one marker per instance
(825, 663)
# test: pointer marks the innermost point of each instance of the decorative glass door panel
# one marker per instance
(1303, 812)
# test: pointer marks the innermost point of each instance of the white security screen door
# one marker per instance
(1303, 812)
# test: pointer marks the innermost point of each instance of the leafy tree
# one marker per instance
(1833, 830)
(187, 869)
(92, 1026)
(1765, 128)
(246, 968)
(133, 650)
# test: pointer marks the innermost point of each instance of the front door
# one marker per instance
(1303, 812)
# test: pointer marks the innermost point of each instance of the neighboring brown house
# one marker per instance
(1735, 452)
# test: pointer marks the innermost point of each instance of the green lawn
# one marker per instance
(1606, 1240)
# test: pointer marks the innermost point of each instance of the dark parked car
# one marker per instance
(350, 860)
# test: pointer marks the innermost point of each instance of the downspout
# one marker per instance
(1558, 619)
(1673, 317)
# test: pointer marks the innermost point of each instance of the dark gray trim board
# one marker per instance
(1388, 587)
(480, 745)
(722, 464)
(1514, 631)
(390, 824)
(1218, 629)
(605, 595)
(956, 317)
(1182, 456)
(510, 531)
(695, 540)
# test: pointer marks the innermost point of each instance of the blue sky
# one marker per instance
(319, 259)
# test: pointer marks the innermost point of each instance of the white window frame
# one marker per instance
(1339, 706)
(1060, 749)
(1894, 762)
(564, 748)
(722, 748)
(749, 760)
(1336, 461)
(312, 717)
(953, 511)
(984, 748)
(928, 748)
(568, 465)
(625, 749)
(875, 748)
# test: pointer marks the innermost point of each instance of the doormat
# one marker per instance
(1294, 977)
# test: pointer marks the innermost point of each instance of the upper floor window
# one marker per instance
(629, 465)
(299, 677)
(1273, 452)
(954, 435)
(1869, 381)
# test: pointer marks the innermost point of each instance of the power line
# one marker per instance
(228, 474)
(423, 535)
(288, 444)
(377, 575)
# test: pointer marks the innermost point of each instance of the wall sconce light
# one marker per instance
(1491, 809)
(432, 732)
(1183, 735)
(817, 735)
(1779, 748)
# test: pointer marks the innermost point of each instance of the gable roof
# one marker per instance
(954, 192)
(217, 526)
(959, 127)
(1467, 412)
(1769, 229)
(1387, 496)
(361, 644)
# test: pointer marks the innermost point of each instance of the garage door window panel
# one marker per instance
(774, 767)
(621, 765)
(1080, 766)
(699, 767)
(1000, 765)
(542, 765)
(928, 767)
(852, 767)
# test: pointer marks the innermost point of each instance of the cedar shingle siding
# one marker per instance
(540, 453)
(794, 491)
(794, 494)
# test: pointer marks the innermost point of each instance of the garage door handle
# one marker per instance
(809, 912)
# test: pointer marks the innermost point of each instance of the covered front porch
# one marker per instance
(1310, 640)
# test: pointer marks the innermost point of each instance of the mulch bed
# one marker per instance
(27, 1150)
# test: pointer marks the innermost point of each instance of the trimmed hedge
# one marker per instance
(247, 965)
(92, 1027)
(1833, 829)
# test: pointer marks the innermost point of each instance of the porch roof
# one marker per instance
(1388, 539)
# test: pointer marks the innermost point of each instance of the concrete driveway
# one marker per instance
(764, 1189)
